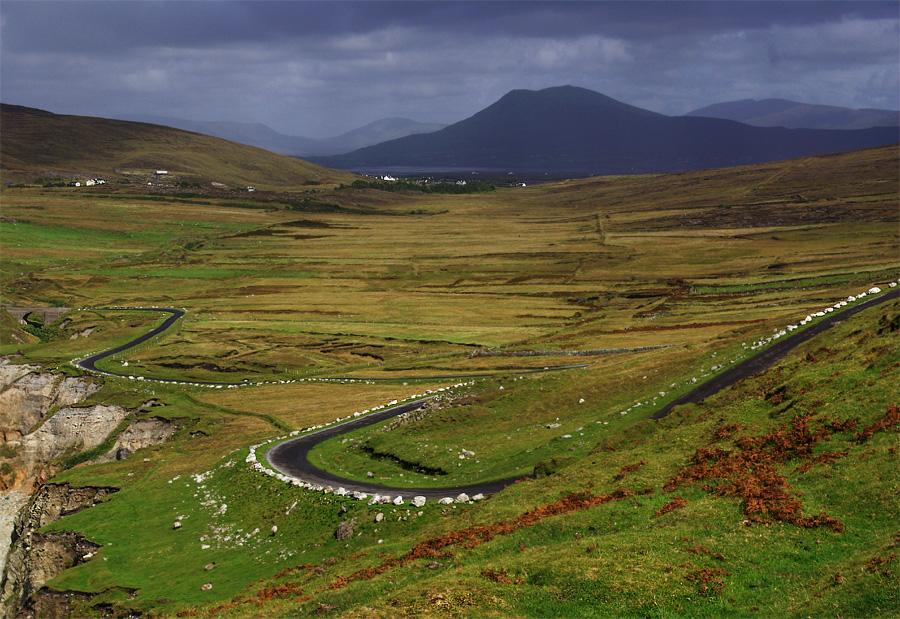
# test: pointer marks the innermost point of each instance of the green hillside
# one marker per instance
(41, 144)
(776, 497)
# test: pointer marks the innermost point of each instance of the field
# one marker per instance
(656, 282)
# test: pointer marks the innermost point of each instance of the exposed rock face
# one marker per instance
(48, 603)
(70, 430)
(28, 395)
(140, 434)
(35, 558)
(48, 555)
(9, 373)
(11, 503)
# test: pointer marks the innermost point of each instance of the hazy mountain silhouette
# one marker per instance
(569, 130)
(263, 136)
(793, 115)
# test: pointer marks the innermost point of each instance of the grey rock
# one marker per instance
(345, 530)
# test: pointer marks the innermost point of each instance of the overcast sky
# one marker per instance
(318, 69)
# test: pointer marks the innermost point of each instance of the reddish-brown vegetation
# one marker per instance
(876, 564)
(700, 549)
(751, 473)
(676, 503)
(629, 468)
(709, 580)
(502, 577)
(281, 591)
(825, 458)
(726, 431)
(891, 419)
(476, 535)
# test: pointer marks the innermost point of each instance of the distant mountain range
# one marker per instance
(793, 115)
(569, 130)
(262, 136)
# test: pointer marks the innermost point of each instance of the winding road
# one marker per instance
(290, 457)
(90, 363)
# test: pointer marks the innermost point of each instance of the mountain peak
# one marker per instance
(567, 129)
(569, 95)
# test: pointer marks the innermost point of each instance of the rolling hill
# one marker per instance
(793, 115)
(263, 136)
(39, 143)
(569, 130)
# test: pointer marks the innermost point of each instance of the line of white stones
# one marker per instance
(375, 499)
(77, 361)
(757, 345)
(810, 317)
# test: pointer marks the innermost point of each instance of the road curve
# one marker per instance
(290, 457)
(90, 363)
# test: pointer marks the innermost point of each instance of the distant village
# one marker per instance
(88, 183)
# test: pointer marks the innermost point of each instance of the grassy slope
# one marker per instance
(615, 558)
(11, 332)
(40, 143)
(704, 262)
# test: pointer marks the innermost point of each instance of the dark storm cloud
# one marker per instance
(318, 68)
(108, 27)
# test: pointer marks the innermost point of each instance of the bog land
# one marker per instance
(773, 498)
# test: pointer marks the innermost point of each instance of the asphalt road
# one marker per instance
(290, 457)
(90, 363)
(764, 359)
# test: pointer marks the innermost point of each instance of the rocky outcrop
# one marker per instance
(48, 555)
(10, 372)
(28, 395)
(11, 503)
(71, 430)
(140, 434)
(35, 558)
(49, 603)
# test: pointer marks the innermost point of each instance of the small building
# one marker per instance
(161, 172)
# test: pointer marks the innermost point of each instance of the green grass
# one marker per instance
(620, 559)
(579, 265)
